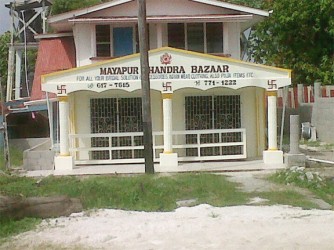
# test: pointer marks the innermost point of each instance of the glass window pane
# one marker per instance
(102, 40)
(176, 35)
(195, 35)
(214, 37)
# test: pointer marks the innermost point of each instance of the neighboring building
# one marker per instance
(206, 103)
(26, 115)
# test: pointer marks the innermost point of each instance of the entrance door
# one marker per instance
(213, 112)
(116, 115)
(123, 41)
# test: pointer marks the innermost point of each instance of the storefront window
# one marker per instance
(200, 37)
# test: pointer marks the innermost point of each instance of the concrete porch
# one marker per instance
(221, 166)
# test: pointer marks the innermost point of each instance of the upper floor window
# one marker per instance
(200, 37)
(103, 43)
(116, 41)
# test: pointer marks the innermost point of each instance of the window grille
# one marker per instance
(213, 112)
(116, 115)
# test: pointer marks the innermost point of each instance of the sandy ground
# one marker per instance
(200, 227)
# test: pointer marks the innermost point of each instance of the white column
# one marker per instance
(168, 120)
(317, 90)
(168, 159)
(18, 74)
(63, 126)
(226, 34)
(272, 155)
(272, 121)
(300, 91)
(159, 35)
(64, 161)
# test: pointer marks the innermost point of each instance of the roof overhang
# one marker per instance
(170, 70)
(169, 19)
(236, 7)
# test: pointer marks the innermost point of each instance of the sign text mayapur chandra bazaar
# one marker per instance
(169, 71)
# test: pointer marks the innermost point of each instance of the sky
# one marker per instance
(4, 17)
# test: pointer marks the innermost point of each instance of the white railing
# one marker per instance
(181, 146)
(80, 146)
(191, 145)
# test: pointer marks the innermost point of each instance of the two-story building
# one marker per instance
(207, 104)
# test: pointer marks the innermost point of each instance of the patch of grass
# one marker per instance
(323, 189)
(43, 246)
(310, 143)
(286, 140)
(141, 192)
(12, 227)
(317, 144)
(16, 158)
(329, 146)
(287, 197)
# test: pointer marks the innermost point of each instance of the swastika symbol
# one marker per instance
(61, 89)
(272, 84)
(167, 87)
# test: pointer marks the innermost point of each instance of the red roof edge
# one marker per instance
(54, 55)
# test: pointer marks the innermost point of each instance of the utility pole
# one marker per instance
(145, 85)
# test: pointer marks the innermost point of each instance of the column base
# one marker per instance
(64, 163)
(291, 160)
(273, 157)
(168, 161)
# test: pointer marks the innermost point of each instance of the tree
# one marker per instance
(62, 6)
(248, 3)
(4, 41)
(298, 35)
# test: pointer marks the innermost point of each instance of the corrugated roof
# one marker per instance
(54, 55)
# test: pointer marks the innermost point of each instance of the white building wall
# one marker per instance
(261, 121)
(84, 38)
(232, 39)
(84, 34)
(252, 120)
(252, 113)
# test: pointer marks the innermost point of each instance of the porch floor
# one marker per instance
(214, 166)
